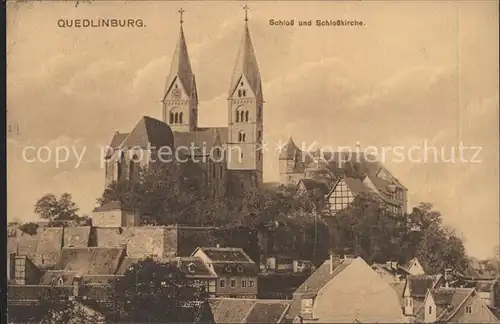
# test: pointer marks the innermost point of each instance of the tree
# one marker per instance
(72, 312)
(151, 291)
(49, 207)
(29, 228)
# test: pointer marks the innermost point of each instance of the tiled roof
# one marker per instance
(290, 151)
(226, 254)
(419, 285)
(448, 300)
(90, 260)
(322, 276)
(311, 184)
(149, 130)
(480, 285)
(236, 269)
(228, 310)
(194, 267)
(271, 311)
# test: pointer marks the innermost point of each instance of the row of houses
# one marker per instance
(341, 290)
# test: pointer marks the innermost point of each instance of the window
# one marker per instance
(175, 86)
(237, 116)
(60, 281)
(306, 305)
(241, 156)
(227, 268)
(251, 283)
(211, 286)
(260, 134)
(171, 118)
(242, 114)
(239, 268)
(241, 136)
(176, 118)
(243, 283)
(180, 118)
(244, 93)
(468, 310)
(246, 115)
(222, 283)
(430, 309)
(233, 283)
(241, 84)
(239, 93)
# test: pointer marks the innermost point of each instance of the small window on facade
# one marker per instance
(241, 84)
(60, 281)
(233, 283)
(251, 283)
(246, 115)
(239, 93)
(243, 283)
(227, 268)
(244, 93)
(171, 118)
(241, 155)
(176, 118)
(222, 283)
(430, 309)
(180, 118)
(242, 113)
(239, 268)
(468, 310)
(237, 116)
(175, 86)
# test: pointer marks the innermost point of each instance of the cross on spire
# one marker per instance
(181, 11)
(245, 7)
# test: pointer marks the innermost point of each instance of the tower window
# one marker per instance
(237, 116)
(241, 136)
(239, 93)
(171, 118)
(241, 155)
(246, 115)
(244, 93)
(241, 84)
(180, 118)
(242, 114)
(175, 86)
(176, 118)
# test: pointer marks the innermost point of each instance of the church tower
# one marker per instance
(180, 98)
(245, 110)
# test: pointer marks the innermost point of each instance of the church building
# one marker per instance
(222, 151)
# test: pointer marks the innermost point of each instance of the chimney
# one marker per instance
(334, 261)
(447, 277)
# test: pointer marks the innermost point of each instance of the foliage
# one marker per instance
(49, 207)
(29, 228)
(72, 312)
(154, 292)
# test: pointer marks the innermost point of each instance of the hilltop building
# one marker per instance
(232, 149)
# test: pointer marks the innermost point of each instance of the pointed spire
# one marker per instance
(181, 66)
(246, 64)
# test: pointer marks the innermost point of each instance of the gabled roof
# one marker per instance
(246, 66)
(90, 260)
(449, 300)
(319, 278)
(117, 139)
(290, 151)
(181, 68)
(311, 185)
(418, 285)
(225, 254)
(233, 310)
(149, 131)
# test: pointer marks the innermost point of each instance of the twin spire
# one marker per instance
(246, 66)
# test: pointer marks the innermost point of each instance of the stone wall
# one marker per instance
(76, 236)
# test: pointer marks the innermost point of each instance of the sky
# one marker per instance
(414, 73)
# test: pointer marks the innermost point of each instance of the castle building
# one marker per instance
(341, 177)
(223, 151)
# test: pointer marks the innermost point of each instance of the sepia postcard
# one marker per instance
(252, 162)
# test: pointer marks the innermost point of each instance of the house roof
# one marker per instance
(233, 310)
(480, 285)
(118, 139)
(418, 285)
(149, 131)
(290, 151)
(311, 185)
(191, 266)
(112, 205)
(449, 300)
(235, 269)
(226, 255)
(90, 260)
(322, 276)
(246, 66)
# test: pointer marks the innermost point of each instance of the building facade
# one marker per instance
(223, 151)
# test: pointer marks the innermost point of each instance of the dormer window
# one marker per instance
(190, 268)
(60, 281)
(227, 268)
(306, 305)
(239, 268)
